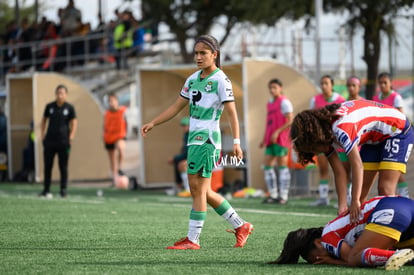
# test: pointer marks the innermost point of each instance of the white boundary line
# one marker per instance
(80, 199)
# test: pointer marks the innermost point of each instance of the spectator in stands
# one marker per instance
(139, 33)
(25, 34)
(78, 46)
(123, 40)
(70, 18)
(49, 49)
(152, 24)
(10, 57)
(11, 31)
(105, 46)
(41, 29)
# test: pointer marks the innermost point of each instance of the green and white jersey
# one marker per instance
(206, 98)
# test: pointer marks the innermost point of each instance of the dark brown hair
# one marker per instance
(212, 43)
(298, 243)
(61, 86)
(330, 79)
(384, 74)
(312, 128)
(113, 95)
(275, 81)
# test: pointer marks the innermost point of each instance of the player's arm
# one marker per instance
(343, 260)
(289, 119)
(126, 122)
(166, 115)
(338, 249)
(43, 127)
(344, 252)
(340, 178)
(357, 171)
(326, 259)
(230, 107)
(399, 103)
(73, 127)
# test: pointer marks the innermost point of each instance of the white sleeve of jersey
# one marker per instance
(286, 106)
(184, 91)
(312, 103)
(225, 89)
(345, 140)
(398, 101)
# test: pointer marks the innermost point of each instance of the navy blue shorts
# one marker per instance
(394, 217)
(391, 154)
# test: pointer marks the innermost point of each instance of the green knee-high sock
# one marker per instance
(229, 214)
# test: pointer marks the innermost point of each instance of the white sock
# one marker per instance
(184, 179)
(271, 182)
(194, 230)
(349, 194)
(233, 218)
(323, 191)
(403, 191)
(284, 181)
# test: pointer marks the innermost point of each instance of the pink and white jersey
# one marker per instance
(341, 229)
(366, 122)
(394, 99)
(277, 109)
(319, 100)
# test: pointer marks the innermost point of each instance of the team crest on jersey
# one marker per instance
(65, 112)
(51, 111)
(208, 87)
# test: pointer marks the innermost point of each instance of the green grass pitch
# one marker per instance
(126, 232)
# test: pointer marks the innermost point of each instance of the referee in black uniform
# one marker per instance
(60, 118)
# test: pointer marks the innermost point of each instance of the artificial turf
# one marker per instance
(126, 232)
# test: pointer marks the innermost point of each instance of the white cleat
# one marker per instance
(320, 202)
(399, 258)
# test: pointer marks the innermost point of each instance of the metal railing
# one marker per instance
(70, 52)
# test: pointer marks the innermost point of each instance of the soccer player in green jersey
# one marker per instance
(208, 91)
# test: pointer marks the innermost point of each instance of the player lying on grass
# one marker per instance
(385, 225)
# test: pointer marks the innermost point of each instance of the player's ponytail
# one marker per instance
(298, 243)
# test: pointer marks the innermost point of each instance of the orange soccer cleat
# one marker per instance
(242, 234)
(184, 244)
